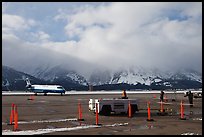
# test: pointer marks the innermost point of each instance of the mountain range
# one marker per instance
(131, 79)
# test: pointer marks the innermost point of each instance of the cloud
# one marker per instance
(3, 6)
(16, 22)
(13, 22)
(115, 35)
(137, 33)
(41, 36)
(16, 25)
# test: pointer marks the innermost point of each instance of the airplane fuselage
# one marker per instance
(46, 89)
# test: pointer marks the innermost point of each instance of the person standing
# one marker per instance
(162, 96)
(190, 98)
(124, 95)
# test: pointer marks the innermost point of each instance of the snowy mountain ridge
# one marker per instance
(56, 73)
(132, 76)
(144, 76)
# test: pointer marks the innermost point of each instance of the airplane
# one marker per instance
(44, 88)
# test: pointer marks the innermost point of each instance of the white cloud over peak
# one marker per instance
(120, 34)
(136, 33)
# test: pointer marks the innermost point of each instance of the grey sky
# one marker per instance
(109, 35)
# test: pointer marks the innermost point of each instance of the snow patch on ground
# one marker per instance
(197, 119)
(188, 133)
(44, 121)
(43, 131)
(116, 124)
(48, 130)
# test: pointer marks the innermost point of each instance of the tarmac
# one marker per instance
(58, 115)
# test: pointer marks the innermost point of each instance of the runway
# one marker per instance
(6, 93)
(57, 115)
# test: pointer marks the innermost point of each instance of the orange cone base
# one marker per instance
(16, 130)
(80, 119)
(98, 124)
(182, 118)
(150, 119)
(10, 124)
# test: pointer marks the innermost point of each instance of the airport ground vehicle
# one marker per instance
(196, 94)
(108, 106)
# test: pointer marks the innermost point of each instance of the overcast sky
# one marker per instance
(111, 35)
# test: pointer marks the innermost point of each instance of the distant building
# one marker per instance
(90, 87)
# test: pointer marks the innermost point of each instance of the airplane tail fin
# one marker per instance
(28, 84)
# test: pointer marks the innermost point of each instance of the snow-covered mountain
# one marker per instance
(12, 79)
(58, 73)
(70, 79)
(187, 74)
(141, 75)
(15, 80)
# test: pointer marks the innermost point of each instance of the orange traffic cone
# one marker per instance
(97, 114)
(148, 111)
(129, 110)
(16, 119)
(182, 111)
(162, 111)
(80, 112)
(12, 115)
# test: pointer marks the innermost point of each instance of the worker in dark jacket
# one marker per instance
(124, 95)
(190, 98)
(162, 96)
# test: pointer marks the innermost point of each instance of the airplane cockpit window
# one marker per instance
(60, 87)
